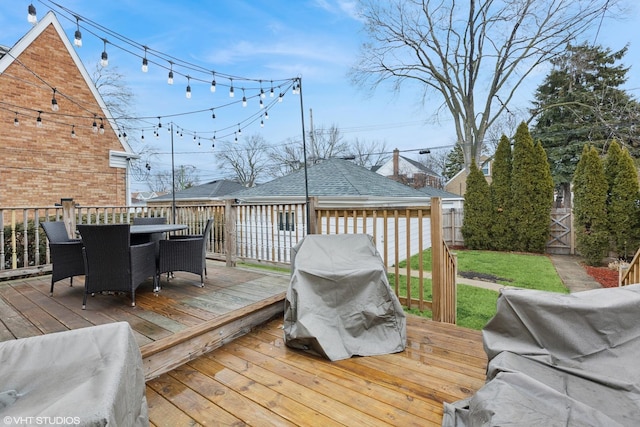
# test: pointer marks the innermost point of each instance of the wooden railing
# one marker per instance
(263, 234)
(631, 274)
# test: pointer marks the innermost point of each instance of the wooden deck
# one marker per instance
(207, 362)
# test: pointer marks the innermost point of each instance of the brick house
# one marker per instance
(49, 155)
(409, 172)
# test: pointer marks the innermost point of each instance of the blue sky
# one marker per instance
(317, 40)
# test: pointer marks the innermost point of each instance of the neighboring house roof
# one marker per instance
(213, 190)
(436, 192)
(406, 166)
(335, 179)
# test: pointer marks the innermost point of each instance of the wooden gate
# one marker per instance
(561, 236)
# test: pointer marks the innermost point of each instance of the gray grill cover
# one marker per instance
(88, 377)
(339, 302)
(559, 360)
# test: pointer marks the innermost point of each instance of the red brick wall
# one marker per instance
(39, 166)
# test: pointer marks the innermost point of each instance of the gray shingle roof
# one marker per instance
(211, 190)
(330, 178)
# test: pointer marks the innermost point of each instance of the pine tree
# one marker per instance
(501, 200)
(589, 208)
(622, 200)
(477, 210)
(581, 101)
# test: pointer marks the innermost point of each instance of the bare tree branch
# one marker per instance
(468, 52)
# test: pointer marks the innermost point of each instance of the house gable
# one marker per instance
(42, 164)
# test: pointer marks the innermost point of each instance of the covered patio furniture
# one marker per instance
(559, 360)
(84, 377)
(185, 253)
(66, 253)
(339, 302)
(112, 263)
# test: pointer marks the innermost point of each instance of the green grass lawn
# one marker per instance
(476, 305)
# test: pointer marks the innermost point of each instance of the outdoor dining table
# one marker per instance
(154, 230)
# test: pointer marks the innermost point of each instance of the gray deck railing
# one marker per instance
(260, 233)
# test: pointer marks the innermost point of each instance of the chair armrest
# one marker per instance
(184, 236)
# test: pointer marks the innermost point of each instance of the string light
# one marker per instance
(54, 101)
(39, 120)
(244, 99)
(213, 114)
(78, 35)
(73, 131)
(261, 104)
(188, 94)
(213, 82)
(104, 60)
(261, 123)
(31, 14)
(16, 122)
(239, 129)
(271, 93)
(280, 97)
(101, 130)
(142, 136)
(231, 94)
(94, 127)
(266, 115)
(145, 62)
(170, 78)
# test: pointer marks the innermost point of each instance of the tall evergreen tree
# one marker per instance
(542, 200)
(523, 187)
(589, 208)
(454, 162)
(622, 200)
(477, 210)
(579, 102)
(501, 198)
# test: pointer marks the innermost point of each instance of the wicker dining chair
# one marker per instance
(112, 263)
(66, 253)
(185, 253)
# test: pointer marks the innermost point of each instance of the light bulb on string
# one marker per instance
(16, 122)
(280, 97)
(101, 129)
(213, 114)
(159, 123)
(261, 123)
(271, 93)
(94, 126)
(213, 83)
(54, 101)
(145, 62)
(188, 93)
(170, 78)
(261, 104)
(73, 131)
(39, 120)
(244, 99)
(104, 59)
(231, 94)
(262, 94)
(31, 14)
(142, 135)
(239, 129)
(266, 115)
(77, 39)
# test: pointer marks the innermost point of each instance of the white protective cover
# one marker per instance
(89, 377)
(339, 302)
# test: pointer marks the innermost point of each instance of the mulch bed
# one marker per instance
(607, 277)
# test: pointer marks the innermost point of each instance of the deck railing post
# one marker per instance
(230, 214)
(313, 215)
(69, 216)
(437, 259)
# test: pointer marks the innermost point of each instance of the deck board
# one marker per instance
(208, 363)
